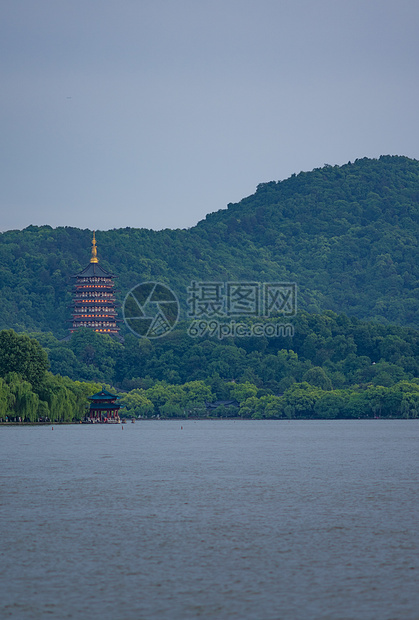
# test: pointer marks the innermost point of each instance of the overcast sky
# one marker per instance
(153, 113)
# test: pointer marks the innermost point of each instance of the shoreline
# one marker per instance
(235, 419)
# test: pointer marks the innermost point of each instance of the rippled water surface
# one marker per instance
(259, 520)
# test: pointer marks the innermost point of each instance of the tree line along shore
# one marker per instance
(333, 367)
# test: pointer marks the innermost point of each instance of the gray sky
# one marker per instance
(153, 113)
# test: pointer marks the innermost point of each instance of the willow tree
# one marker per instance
(6, 400)
(25, 401)
(61, 401)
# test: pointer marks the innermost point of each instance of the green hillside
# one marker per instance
(346, 235)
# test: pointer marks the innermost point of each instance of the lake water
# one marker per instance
(261, 520)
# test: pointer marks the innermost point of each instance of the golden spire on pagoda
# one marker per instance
(94, 258)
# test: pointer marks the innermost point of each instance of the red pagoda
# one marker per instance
(103, 408)
(94, 304)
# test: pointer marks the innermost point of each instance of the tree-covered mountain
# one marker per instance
(346, 235)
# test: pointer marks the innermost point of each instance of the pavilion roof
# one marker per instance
(99, 406)
(102, 395)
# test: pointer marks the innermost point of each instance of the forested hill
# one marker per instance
(346, 235)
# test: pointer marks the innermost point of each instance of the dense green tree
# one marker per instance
(330, 405)
(317, 376)
(271, 406)
(250, 408)
(300, 399)
(137, 404)
(242, 391)
(22, 355)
